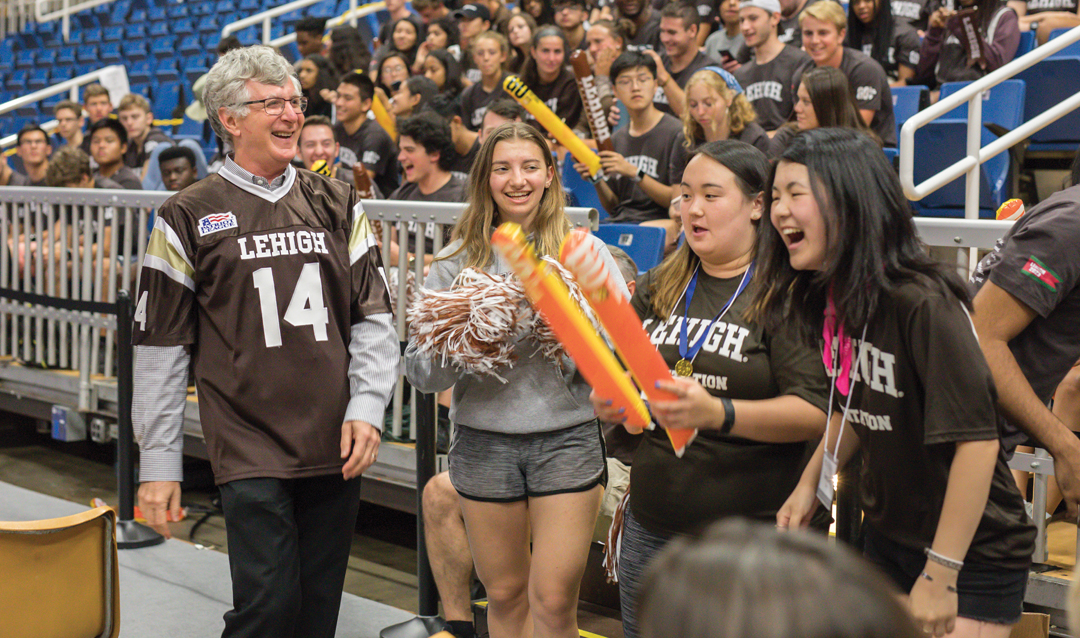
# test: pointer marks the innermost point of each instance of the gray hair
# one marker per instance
(226, 84)
(625, 263)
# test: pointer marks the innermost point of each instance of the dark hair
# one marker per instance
(109, 123)
(452, 68)
(311, 24)
(378, 71)
(176, 152)
(362, 82)
(530, 73)
(871, 240)
(883, 26)
(324, 80)
(445, 106)
(743, 579)
(409, 54)
(547, 12)
(631, 60)
(319, 120)
(449, 26)
(228, 43)
(684, 11)
(832, 97)
(751, 169)
(422, 86)
(349, 50)
(30, 128)
(519, 57)
(433, 133)
(507, 108)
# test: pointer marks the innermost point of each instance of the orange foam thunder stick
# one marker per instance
(590, 97)
(552, 124)
(549, 294)
(581, 257)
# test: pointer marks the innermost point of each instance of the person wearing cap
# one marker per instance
(646, 24)
(570, 17)
(680, 58)
(824, 26)
(769, 78)
(472, 19)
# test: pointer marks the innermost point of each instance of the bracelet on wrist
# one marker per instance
(945, 561)
(729, 415)
(930, 578)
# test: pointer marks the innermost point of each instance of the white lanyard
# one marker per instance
(830, 462)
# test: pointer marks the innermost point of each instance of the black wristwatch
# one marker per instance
(640, 175)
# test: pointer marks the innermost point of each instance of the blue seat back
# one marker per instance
(1002, 105)
(583, 191)
(1027, 43)
(1073, 50)
(644, 244)
(939, 145)
(1049, 83)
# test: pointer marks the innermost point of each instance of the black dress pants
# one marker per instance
(289, 542)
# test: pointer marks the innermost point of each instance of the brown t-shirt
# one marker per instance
(264, 287)
(722, 475)
(920, 385)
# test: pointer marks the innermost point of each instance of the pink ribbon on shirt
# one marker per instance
(831, 327)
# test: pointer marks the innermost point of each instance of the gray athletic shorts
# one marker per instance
(498, 467)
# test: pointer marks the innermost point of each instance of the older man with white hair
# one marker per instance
(267, 277)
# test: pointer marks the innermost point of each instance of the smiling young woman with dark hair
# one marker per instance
(843, 263)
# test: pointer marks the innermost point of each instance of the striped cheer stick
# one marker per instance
(550, 296)
(581, 257)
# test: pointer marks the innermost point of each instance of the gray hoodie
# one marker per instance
(536, 397)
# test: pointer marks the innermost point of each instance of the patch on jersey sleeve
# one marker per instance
(1040, 273)
(216, 222)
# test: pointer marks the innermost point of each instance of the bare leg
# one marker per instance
(562, 530)
(448, 547)
(968, 628)
(499, 538)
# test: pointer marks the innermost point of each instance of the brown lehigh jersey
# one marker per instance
(264, 287)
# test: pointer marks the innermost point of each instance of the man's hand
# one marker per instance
(155, 499)
(662, 76)
(360, 446)
(615, 164)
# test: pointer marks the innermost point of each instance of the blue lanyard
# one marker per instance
(689, 351)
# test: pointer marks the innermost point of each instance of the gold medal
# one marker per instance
(684, 368)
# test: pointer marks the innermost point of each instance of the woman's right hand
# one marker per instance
(939, 18)
(607, 413)
(798, 509)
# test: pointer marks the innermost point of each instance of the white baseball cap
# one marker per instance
(770, 6)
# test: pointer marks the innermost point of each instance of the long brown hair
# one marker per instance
(474, 228)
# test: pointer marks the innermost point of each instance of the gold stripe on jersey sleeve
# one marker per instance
(361, 238)
(166, 254)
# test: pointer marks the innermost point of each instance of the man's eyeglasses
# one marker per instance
(640, 80)
(565, 6)
(276, 105)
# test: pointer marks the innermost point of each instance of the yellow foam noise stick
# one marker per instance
(549, 294)
(383, 118)
(322, 168)
(581, 257)
(552, 124)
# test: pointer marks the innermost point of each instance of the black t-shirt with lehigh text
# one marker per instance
(914, 13)
(374, 148)
(1037, 262)
(452, 191)
(920, 386)
(562, 97)
(680, 78)
(722, 475)
(904, 49)
(1040, 6)
(475, 100)
(661, 154)
(872, 93)
(771, 87)
(261, 284)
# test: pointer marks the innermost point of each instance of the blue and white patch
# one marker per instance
(216, 222)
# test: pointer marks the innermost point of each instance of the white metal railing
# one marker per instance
(112, 77)
(976, 153)
(15, 15)
(63, 12)
(265, 18)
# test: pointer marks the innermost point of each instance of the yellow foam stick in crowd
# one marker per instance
(381, 116)
(581, 257)
(549, 294)
(322, 168)
(552, 124)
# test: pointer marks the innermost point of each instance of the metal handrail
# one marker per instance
(265, 18)
(976, 153)
(64, 12)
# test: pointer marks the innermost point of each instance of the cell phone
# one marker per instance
(725, 57)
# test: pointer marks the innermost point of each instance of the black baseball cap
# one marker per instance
(473, 11)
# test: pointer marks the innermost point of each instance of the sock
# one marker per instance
(461, 628)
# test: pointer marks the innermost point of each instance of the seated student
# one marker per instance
(472, 20)
(97, 103)
(1043, 16)
(33, 148)
(444, 70)
(681, 58)
(943, 58)
(824, 100)
(70, 168)
(442, 35)
(547, 75)
(717, 109)
(143, 136)
(69, 123)
(406, 36)
(317, 83)
(411, 96)
(727, 41)
(649, 154)
(430, 10)
(465, 141)
(824, 26)
(500, 112)
(364, 140)
(646, 21)
(570, 16)
(318, 141)
(108, 144)
(179, 168)
(607, 41)
(488, 51)
(767, 79)
(309, 35)
(347, 50)
(893, 44)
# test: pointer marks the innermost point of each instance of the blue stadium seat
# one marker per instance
(1071, 51)
(211, 26)
(89, 67)
(190, 46)
(183, 26)
(74, 39)
(110, 53)
(189, 129)
(16, 81)
(119, 12)
(167, 72)
(87, 20)
(39, 79)
(1049, 83)
(163, 47)
(583, 191)
(176, 10)
(1027, 43)
(1003, 105)
(948, 140)
(157, 13)
(135, 50)
(141, 71)
(66, 56)
(225, 6)
(140, 88)
(63, 72)
(92, 35)
(250, 6)
(135, 31)
(159, 29)
(202, 9)
(166, 97)
(24, 60)
(249, 36)
(138, 16)
(113, 34)
(193, 69)
(86, 54)
(907, 101)
(644, 244)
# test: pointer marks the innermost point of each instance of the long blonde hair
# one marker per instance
(474, 228)
(740, 112)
